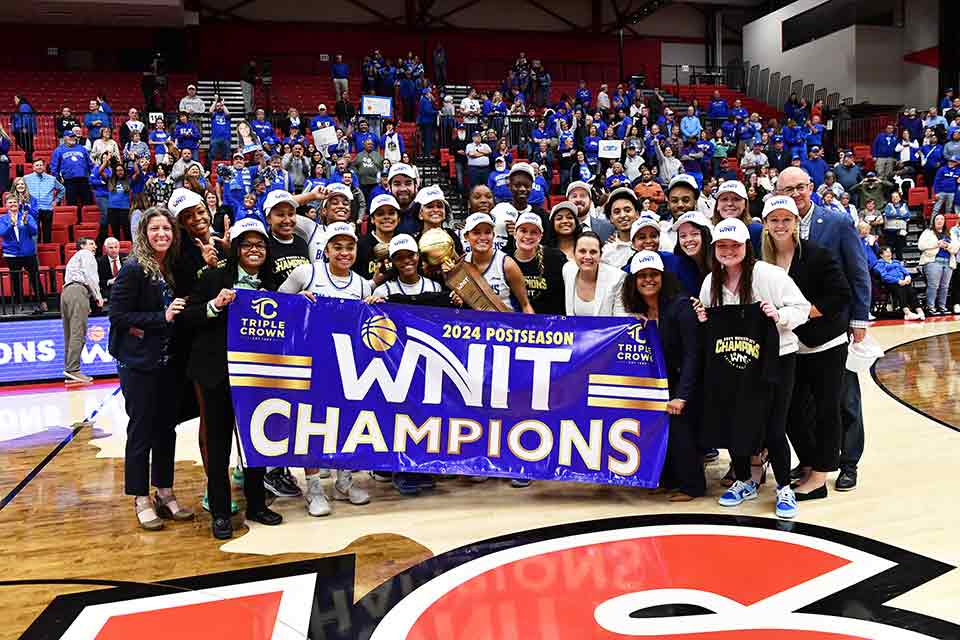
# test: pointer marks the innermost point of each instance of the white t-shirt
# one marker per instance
(470, 107)
(480, 161)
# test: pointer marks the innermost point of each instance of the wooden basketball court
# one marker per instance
(67, 528)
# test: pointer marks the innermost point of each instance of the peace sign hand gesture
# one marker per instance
(208, 250)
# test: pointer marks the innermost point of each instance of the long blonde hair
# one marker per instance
(26, 190)
(768, 247)
(145, 254)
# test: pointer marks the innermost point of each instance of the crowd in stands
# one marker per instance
(611, 204)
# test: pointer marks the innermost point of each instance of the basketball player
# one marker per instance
(331, 278)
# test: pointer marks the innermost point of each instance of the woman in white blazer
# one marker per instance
(591, 287)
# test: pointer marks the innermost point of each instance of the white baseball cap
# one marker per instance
(383, 200)
(620, 193)
(276, 197)
(732, 186)
(321, 107)
(182, 199)
(500, 160)
(339, 189)
(731, 229)
(475, 219)
(566, 204)
(245, 225)
(646, 260)
(577, 184)
(403, 242)
(780, 202)
(340, 229)
(401, 169)
(694, 218)
(522, 167)
(531, 218)
(644, 221)
(430, 194)
(502, 214)
(683, 180)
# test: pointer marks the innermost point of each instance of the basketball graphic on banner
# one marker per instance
(379, 333)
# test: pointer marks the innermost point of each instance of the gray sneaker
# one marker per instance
(345, 489)
(317, 503)
(76, 377)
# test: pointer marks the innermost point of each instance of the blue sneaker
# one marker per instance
(786, 502)
(407, 484)
(738, 493)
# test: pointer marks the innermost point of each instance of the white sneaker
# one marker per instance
(919, 315)
(317, 503)
(956, 309)
(345, 489)
(909, 315)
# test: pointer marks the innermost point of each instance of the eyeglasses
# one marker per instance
(247, 246)
(789, 191)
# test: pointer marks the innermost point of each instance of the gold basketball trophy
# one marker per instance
(381, 251)
(436, 247)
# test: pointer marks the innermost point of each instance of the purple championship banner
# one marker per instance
(32, 350)
(343, 384)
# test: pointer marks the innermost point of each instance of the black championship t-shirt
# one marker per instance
(287, 256)
(741, 352)
(544, 279)
(365, 261)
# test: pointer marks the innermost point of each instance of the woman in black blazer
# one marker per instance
(650, 293)
(249, 266)
(142, 340)
(813, 422)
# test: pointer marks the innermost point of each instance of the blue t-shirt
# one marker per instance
(219, 126)
(159, 139)
(119, 196)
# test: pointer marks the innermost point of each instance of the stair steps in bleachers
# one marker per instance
(232, 94)
(431, 174)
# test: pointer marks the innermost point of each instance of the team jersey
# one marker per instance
(496, 277)
(396, 287)
(317, 279)
(314, 234)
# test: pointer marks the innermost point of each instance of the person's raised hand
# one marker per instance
(309, 295)
(208, 251)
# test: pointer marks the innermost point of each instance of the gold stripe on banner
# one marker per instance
(268, 358)
(619, 403)
(628, 381)
(269, 383)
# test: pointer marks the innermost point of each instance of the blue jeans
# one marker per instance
(220, 149)
(427, 133)
(938, 274)
(102, 205)
(945, 201)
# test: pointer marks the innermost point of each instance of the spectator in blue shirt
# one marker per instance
(341, 75)
(220, 130)
(884, 150)
(187, 135)
(71, 164)
(95, 119)
(48, 191)
(499, 181)
(583, 97)
(738, 111)
(427, 121)
(321, 120)
(690, 126)
(718, 110)
(362, 134)
(24, 125)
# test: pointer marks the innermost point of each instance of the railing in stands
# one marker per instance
(859, 130)
(732, 75)
(18, 290)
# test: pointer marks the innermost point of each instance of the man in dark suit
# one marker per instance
(108, 265)
(834, 232)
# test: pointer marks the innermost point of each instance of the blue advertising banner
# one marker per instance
(343, 384)
(32, 350)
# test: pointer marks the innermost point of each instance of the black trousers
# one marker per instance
(25, 142)
(45, 218)
(896, 242)
(776, 438)
(151, 434)
(814, 421)
(119, 222)
(904, 296)
(77, 191)
(220, 421)
(32, 267)
(682, 468)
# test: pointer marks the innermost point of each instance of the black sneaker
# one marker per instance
(276, 482)
(847, 480)
(711, 455)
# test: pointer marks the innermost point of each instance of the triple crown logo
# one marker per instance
(636, 331)
(265, 308)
